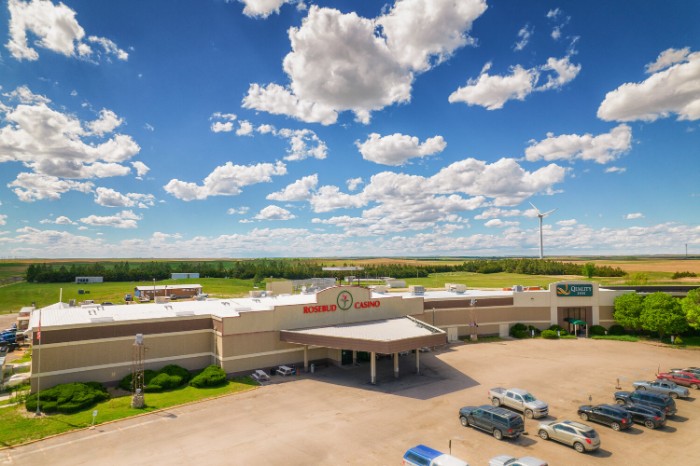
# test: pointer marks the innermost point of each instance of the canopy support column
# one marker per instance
(396, 365)
(417, 360)
(373, 368)
(306, 358)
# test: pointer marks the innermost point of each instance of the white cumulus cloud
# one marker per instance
(634, 216)
(673, 89)
(58, 145)
(273, 212)
(397, 149)
(344, 62)
(602, 149)
(123, 220)
(56, 28)
(225, 180)
(300, 190)
(493, 91)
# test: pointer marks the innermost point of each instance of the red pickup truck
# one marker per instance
(687, 379)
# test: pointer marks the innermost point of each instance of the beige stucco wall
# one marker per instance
(109, 360)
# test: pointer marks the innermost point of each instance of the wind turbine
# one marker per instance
(541, 216)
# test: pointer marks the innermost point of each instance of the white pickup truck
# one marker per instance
(520, 400)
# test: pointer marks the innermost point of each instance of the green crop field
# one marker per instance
(14, 297)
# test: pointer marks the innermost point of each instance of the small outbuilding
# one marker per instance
(89, 279)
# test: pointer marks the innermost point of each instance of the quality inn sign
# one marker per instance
(569, 289)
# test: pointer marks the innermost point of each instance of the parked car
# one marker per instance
(662, 402)
(421, 455)
(260, 376)
(580, 436)
(687, 379)
(610, 415)
(507, 460)
(650, 417)
(285, 370)
(520, 400)
(8, 337)
(694, 370)
(498, 421)
(665, 387)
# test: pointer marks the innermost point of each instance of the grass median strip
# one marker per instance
(19, 426)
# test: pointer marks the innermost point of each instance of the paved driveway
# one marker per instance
(335, 417)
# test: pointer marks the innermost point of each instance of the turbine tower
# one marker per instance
(541, 215)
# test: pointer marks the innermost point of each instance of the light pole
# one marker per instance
(154, 290)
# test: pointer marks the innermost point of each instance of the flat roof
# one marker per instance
(376, 330)
(61, 314)
(379, 336)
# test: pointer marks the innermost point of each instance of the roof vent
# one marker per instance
(184, 313)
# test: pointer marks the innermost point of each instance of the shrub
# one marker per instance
(162, 382)
(211, 376)
(596, 330)
(518, 330)
(550, 334)
(678, 341)
(174, 369)
(530, 328)
(68, 398)
(125, 383)
(616, 329)
(562, 331)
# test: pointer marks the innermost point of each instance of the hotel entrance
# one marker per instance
(575, 318)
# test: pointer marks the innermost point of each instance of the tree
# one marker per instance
(664, 314)
(628, 308)
(691, 307)
(588, 269)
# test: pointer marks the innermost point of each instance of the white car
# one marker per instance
(285, 370)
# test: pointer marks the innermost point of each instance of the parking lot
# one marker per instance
(335, 417)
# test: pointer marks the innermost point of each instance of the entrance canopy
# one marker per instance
(379, 336)
(574, 321)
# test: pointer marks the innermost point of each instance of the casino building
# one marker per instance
(336, 325)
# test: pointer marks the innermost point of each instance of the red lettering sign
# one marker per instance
(323, 308)
(366, 304)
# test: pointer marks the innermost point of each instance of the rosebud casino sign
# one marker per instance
(343, 301)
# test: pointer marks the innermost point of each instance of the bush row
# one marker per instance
(67, 398)
(170, 377)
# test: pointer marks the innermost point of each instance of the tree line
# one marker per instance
(541, 267)
(258, 269)
(658, 312)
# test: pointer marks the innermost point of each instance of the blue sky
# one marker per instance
(298, 129)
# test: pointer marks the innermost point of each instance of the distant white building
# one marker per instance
(184, 275)
(89, 279)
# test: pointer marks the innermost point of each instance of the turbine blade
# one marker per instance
(547, 213)
(536, 209)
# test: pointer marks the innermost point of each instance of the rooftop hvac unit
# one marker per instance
(417, 290)
(518, 288)
(456, 287)
(184, 313)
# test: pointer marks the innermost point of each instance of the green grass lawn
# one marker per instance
(14, 297)
(17, 426)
